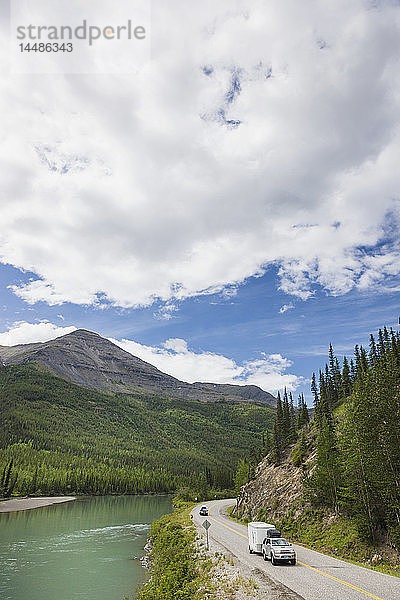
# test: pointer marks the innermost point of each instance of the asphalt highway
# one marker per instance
(316, 576)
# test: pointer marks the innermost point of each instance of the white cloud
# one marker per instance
(269, 373)
(166, 312)
(175, 358)
(285, 308)
(22, 332)
(176, 345)
(148, 187)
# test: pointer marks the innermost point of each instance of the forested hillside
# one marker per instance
(357, 414)
(334, 482)
(57, 437)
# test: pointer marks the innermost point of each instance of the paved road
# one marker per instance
(314, 577)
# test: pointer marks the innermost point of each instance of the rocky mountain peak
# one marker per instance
(91, 361)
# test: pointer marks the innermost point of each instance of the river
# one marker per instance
(88, 549)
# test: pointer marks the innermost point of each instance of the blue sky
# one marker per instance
(244, 327)
(225, 209)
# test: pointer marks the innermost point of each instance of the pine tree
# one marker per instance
(314, 390)
(286, 419)
(334, 377)
(357, 357)
(346, 379)
(303, 416)
(364, 360)
(293, 421)
(325, 481)
(325, 403)
(267, 445)
(386, 338)
(373, 355)
(381, 344)
(353, 371)
(300, 450)
(278, 432)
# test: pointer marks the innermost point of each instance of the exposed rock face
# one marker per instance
(246, 392)
(87, 359)
(275, 489)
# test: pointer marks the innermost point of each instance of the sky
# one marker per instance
(225, 210)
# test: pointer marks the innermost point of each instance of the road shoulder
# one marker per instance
(255, 584)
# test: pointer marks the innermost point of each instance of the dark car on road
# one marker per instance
(278, 549)
(204, 511)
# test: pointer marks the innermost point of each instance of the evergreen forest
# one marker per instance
(354, 435)
(357, 416)
(59, 438)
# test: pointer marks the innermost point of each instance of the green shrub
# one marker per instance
(173, 572)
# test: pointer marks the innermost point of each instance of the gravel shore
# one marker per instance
(29, 503)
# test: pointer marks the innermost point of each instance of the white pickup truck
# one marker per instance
(278, 549)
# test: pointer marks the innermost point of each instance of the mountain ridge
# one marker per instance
(91, 361)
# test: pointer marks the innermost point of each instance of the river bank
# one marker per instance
(180, 564)
(16, 504)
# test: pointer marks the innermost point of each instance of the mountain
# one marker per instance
(93, 362)
(57, 437)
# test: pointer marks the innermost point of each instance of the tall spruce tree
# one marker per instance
(303, 417)
(277, 446)
(346, 379)
(286, 419)
(325, 481)
(293, 421)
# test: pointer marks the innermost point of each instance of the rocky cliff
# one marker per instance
(276, 489)
(93, 362)
(273, 491)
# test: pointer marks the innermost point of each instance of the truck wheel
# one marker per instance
(293, 561)
(273, 561)
(250, 550)
(265, 556)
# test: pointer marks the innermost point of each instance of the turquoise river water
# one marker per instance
(88, 549)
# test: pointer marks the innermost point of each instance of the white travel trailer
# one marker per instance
(257, 532)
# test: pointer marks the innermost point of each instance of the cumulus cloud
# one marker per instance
(166, 312)
(175, 358)
(259, 133)
(22, 332)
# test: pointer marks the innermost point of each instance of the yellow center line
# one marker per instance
(350, 585)
(354, 587)
(230, 528)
